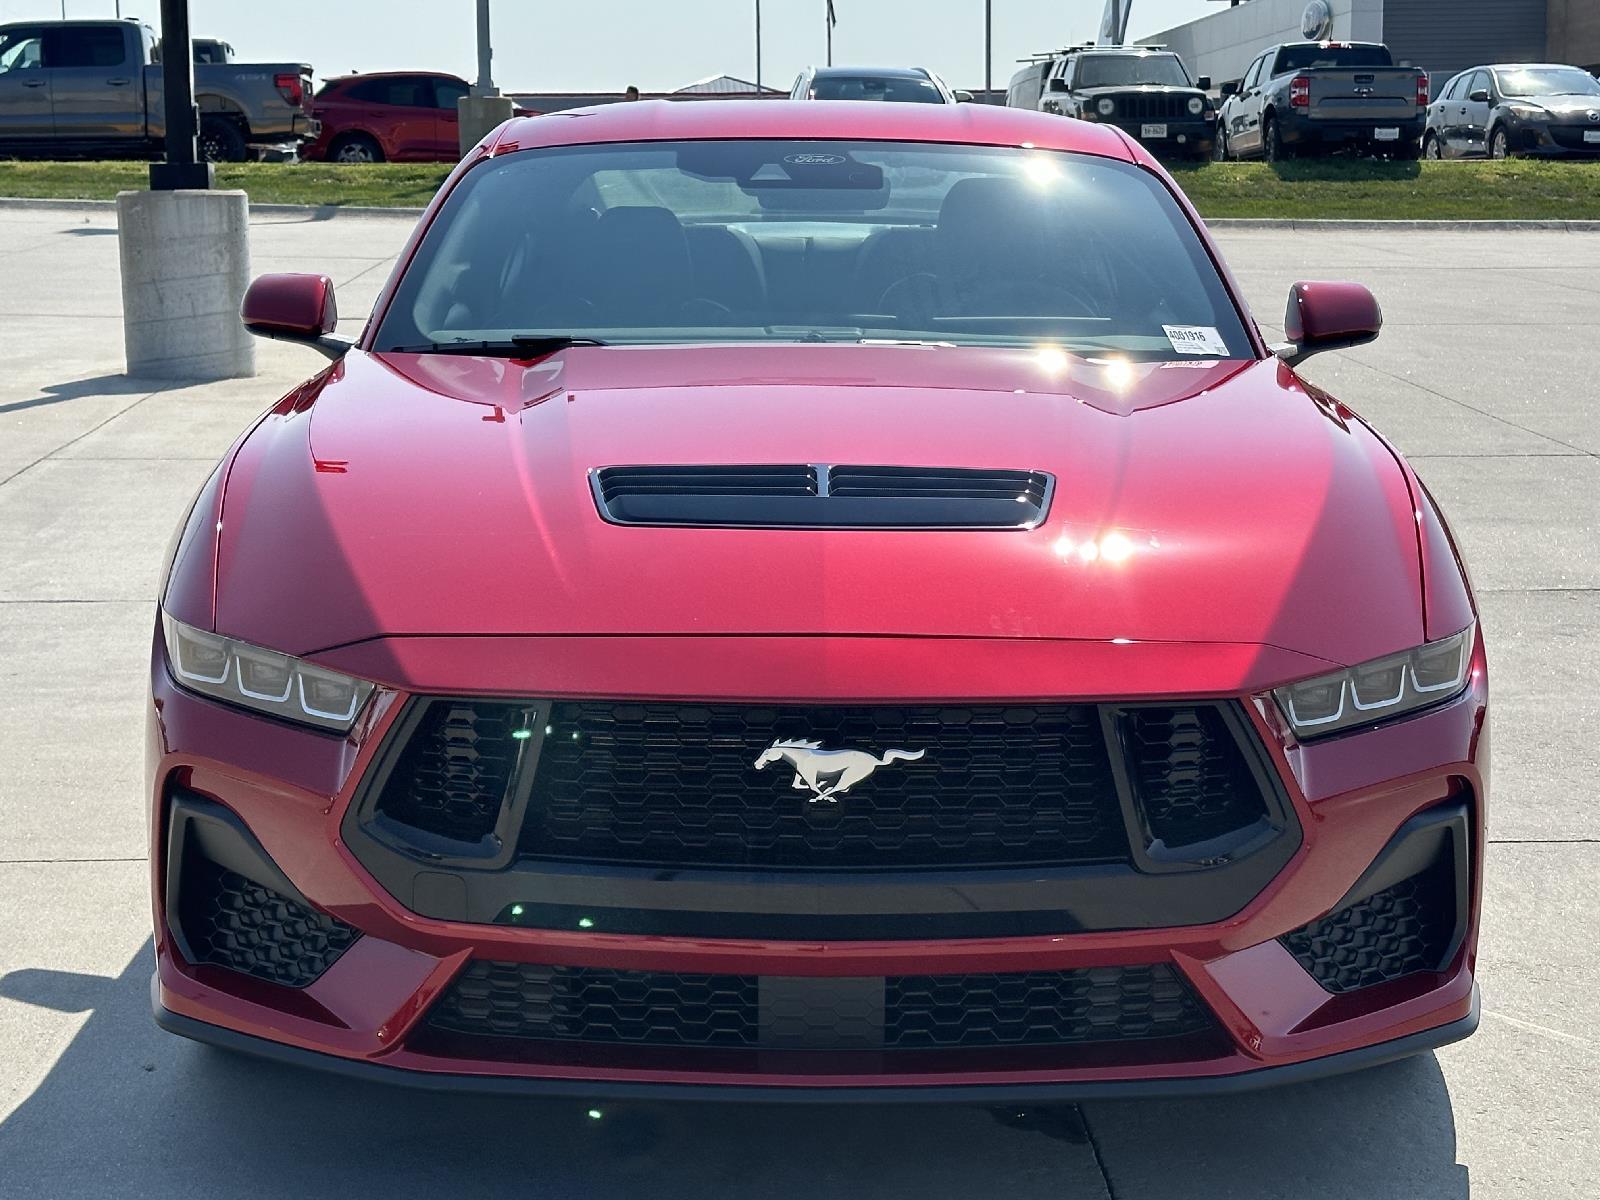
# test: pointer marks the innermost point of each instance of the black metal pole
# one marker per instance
(988, 51)
(828, 20)
(183, 169)
(758, 47)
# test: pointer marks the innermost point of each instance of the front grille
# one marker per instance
(1159, 106)
(1098, 1004)
(580, 1004)
(677, 785)
(230, 921)
(1188, 775)
(456, 767)
(1399, 931)
(1570, 137)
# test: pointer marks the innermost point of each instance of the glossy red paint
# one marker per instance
(1320, 315)
(292, 305)
(409, 116)
(1219, 529)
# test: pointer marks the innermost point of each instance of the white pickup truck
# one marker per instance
(93, 88)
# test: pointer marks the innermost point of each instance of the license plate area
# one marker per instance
(1592, 136)
(1386, 135)
(1148, 130)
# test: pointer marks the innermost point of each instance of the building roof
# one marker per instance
(721, 85)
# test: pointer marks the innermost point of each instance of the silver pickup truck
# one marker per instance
(1315, 97)
(88, 88)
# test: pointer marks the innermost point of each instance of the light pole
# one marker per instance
(758, 47)
(988, 51)
(831, 22)
(485, 84)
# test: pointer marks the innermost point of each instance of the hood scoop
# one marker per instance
(822, 496)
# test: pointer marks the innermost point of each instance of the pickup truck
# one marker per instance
(92, 88)
(1321, 96)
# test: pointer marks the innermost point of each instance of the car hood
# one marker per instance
(1573, 105)
(1195, 501)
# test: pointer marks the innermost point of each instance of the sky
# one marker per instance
(604, 45)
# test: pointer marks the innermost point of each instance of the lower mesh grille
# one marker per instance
(1399, 931)
(230, 921)
(1097, 1004)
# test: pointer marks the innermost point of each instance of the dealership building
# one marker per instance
(1440, 36)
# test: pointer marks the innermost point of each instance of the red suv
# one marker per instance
(398, 117)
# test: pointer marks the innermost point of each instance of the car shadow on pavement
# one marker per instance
(128, 1109)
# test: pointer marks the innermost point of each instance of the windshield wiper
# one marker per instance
(518, 345)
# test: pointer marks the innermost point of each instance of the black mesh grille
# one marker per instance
(1017, 487)
(677, 785)
(1159, 106)
(618, 483)
(1093, 1005)
(590, 1005)
(455, 769)
(1399, 931)
(1097, 1004)
(232, 922)
(1190, 776)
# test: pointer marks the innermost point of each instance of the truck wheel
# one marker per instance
(355, 148)
(1408, 152)
(221, 140)
(1272, 147)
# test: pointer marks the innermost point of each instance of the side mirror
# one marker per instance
(1328, 316)
(1230, 88)
(1479, 95)
(295, 308)
(1203, 83)
(1058, 84)
(963, 96)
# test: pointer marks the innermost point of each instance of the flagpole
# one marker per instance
(758, 47)
(827, 19)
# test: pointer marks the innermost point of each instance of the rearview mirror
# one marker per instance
(963, 96)
(1328, 316)
(1203, 83)
(1230, 88)
(1479, 95)
(295, 308)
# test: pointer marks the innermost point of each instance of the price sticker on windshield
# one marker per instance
(1196, 339)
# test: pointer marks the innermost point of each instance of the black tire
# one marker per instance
(1407, 152)
(1500, 144)
(1219, 145)
(1432, 148)
(355, 148)
(1272, 147)
(221, 140)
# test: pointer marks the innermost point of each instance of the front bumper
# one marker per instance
(290, 792)
(1549, 139)
(1183, 137)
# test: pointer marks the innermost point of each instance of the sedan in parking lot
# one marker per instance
(388, 117)
(1515, 109)
(894, 85)
(880, 622)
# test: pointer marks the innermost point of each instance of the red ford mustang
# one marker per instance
(813, 600)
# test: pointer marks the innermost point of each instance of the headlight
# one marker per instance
(1378, 690)
(1106, 107)
(1526, 112)
(269, 682)
(1196, 105)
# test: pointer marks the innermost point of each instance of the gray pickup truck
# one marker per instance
(1308, 97)
(88, 88)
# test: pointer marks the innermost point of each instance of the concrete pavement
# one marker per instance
(1481, 376)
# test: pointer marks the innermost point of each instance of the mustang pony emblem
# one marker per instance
(829, 773)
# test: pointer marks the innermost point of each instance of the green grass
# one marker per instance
(1303, 190)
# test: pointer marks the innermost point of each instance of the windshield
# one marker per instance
(896, 89)
(713, 241)
(1312, 56)
(1121, 70)
(1547, 81)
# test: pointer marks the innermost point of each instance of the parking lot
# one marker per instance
(1483, 377)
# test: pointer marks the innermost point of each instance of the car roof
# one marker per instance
(674, 120)
(888, 72)
(1138, 51)
(393, 75)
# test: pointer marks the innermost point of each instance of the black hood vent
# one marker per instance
(817, 496)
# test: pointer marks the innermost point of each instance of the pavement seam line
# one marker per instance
(95, 429)
(1094, 1149)
(1545, 1030)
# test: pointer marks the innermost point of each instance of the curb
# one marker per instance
(1297, 224)
(317, 211)
(1353, 223)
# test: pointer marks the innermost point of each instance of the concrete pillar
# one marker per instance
(480, 114)
(185, 266)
